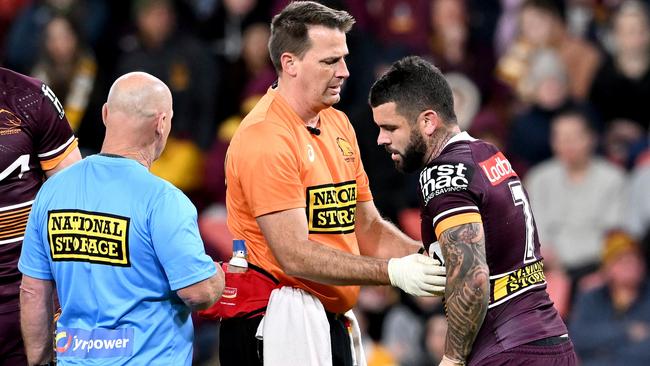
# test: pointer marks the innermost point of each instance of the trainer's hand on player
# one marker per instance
(417, 275)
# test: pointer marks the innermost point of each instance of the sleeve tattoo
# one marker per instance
(468, 286)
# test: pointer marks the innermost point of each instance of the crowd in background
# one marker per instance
(561, 86)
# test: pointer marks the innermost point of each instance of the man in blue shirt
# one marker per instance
(122, 246)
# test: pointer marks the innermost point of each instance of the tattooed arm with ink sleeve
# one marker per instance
(468, 285)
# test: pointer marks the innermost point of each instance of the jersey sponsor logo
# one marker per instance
(9, 123)
(509, 285)
(83, 236)
(346, 149)
(55, 101)
(443, 178)
(497, 168)
(331, 208)
(96, 343)
(229, 292)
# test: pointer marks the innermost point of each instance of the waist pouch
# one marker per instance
(245, 294)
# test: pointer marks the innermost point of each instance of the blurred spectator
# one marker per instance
(23, 41)
(576, 196)
(68, 66)
(371, 308)
(611, 325)
(621, 137)
(546, 91)
(621, 88)
(435, 338)
(452, 49)
(404, 328)
(541, 25)
(181, 62)
(467, 99)
(8, 11)
(637, 213)
(400, 23)
(558, 283)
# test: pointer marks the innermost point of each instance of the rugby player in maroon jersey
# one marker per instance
(476, 209)
(36, 141)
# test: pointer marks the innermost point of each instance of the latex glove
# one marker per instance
(446, 361)
(418, 275)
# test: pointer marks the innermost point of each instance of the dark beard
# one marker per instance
(413, 157)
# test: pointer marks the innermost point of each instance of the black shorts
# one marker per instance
(239, 347)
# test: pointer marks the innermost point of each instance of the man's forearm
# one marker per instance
(36, 320)
(467, 292)
(317, 262)
(382, 239)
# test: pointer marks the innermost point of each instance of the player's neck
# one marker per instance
(296, 100)
(129, 153)
(439, 140)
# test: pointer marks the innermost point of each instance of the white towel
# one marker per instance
(295, 330)
(358, 354)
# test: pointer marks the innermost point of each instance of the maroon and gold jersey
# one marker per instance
(472, 181)
(34, 136)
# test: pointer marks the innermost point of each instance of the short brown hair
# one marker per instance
(289, 28)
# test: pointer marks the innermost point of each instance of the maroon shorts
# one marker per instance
(12, 349)
(529, 355)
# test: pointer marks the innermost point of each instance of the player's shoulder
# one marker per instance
(10, 79)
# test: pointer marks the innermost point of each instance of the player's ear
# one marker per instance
(104, 113)
(288, 61)
(429, 121)
(160, 123)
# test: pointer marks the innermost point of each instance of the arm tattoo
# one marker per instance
(468, 286)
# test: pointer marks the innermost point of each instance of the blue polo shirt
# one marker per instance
(118, 241)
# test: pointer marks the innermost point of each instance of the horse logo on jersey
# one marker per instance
(9, 123)
(445, 177)
(346, 149)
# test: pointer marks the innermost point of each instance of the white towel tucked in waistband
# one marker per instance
(295, 330)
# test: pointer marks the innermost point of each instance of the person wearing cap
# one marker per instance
(611, 324)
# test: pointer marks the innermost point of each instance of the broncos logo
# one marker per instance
(346, 148)
(9, 122)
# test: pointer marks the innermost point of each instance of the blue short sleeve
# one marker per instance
(34, 257)
(177, 242)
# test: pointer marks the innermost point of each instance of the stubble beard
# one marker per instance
(413, 158)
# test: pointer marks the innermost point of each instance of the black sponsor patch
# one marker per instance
(84, 236)
(331, 208)
(445, 177)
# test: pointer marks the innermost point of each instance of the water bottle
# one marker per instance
(238, 262)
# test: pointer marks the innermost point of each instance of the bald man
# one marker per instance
(121, 245)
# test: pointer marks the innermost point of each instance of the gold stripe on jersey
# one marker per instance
(13, 223)
(52, 163)
(449, 222)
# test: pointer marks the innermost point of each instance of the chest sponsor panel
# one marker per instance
(84, 236)
(331, 208)
(95, 343)
(443, 178)
(506, 286)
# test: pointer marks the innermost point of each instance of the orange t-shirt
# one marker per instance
(275, 164)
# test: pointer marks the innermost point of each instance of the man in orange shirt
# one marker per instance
(298, 194)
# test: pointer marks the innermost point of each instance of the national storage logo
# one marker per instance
(331, 208)
(84, 236)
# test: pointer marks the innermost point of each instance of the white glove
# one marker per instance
(418, 275)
